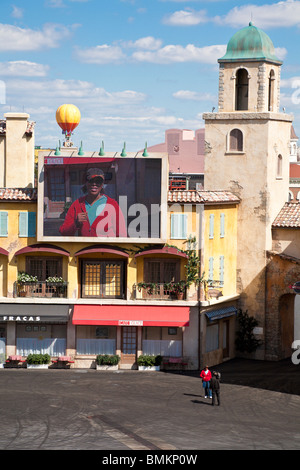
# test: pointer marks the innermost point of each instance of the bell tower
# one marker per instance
(247, 152)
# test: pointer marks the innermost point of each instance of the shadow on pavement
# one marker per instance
(282, 376)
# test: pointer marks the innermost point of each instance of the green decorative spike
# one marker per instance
(124, 154)
(81, 152)
(102, 153)
(57, 151)
(145, 153)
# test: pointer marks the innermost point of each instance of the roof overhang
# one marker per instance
(221, 313)
(3, 252)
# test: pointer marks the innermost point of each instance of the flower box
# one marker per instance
(152, 368)
(107, 367)
(37, 366)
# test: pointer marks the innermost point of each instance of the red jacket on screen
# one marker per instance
(205, 377)
(110, 223)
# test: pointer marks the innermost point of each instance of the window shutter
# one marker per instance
(27, 224)
(3, 224)
(211, 226)
(31, 224)
(178, 225)
(222, 270)
(211, 269)
(222, 225)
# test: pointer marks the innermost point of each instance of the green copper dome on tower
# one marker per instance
(250, 43)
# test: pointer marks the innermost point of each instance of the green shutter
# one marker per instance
(178, 226)
(31, 224)
(23, 224)
(3, 224)
(27, 224)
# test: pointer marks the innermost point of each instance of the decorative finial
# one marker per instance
(145, 153)
(81, 152)
(102, 153)
(124, 154)
(57, 151)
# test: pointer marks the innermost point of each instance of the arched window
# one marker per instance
(236, 140)
(241, 90)
(271, 91)
(279, 166)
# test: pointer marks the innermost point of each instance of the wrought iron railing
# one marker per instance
(156, 291)
(41, 289)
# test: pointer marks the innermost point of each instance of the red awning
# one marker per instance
(166, 250)
(99, 249)
(3, 252)
(43, 248)
(131, 315)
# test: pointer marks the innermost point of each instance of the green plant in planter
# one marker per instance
(38, 359)
(149, 361)
(245, 338)
(148, 286)
(175, 287)
(24, 277)
(55, 280)
(107, 360)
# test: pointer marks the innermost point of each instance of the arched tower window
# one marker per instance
(241, 90)
(271, 91)
(236, 140)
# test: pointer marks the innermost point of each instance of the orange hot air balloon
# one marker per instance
(68, 117)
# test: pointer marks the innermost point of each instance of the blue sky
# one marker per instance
(134, 68)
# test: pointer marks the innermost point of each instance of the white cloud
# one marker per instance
(102, 54)
(193, 96)
(13, 38)
(186, 18)
(147, 43)
(281, 14)
(180, 54)
(23, 68)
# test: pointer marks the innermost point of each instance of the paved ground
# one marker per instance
(151, 411)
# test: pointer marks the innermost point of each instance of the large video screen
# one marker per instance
(88, 198)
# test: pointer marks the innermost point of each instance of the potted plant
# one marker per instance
(38, 361)
(149, 287)
(107, 362)
(58, 283)
(176, 288)
(22, 280)
(147, 362)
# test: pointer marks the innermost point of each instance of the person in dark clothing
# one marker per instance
(215, 388)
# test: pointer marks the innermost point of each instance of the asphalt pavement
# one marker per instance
(150, 412)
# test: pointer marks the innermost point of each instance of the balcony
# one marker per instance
(41, 289)
(159, 291)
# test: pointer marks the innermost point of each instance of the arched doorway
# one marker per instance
(286, 312)
(242, 90)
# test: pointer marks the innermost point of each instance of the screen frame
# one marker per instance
(89, 158)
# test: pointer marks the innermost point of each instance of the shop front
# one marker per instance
(128, 331)
(34, 329)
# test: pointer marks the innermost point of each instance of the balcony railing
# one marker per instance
(41, 289)
(155, 291)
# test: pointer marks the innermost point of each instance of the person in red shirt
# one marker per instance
(205, 375)
(95, 214)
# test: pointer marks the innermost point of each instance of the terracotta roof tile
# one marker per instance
(202, 197)
(18, 194)
(289, 216)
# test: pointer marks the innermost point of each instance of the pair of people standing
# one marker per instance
(211, 384)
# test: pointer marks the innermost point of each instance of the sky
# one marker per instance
(134, 68)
